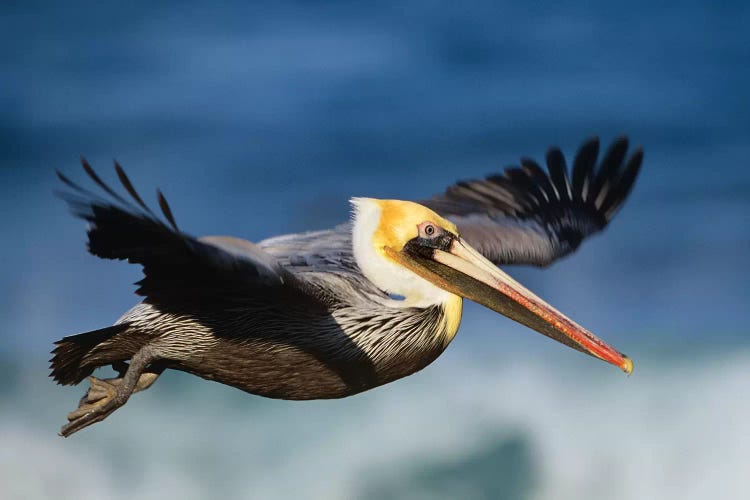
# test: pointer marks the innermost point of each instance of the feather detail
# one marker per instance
(528, 216)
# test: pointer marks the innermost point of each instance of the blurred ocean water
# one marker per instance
(510, 428)
(260, 119)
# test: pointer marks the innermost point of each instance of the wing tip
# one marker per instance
(166, 210)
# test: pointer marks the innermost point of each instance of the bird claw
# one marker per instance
(100, 400)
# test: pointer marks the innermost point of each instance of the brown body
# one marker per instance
(312, 358)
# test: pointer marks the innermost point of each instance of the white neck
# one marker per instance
(387, 275)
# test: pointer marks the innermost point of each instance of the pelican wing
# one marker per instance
(329, 250)
(179, 270)
(528, 215)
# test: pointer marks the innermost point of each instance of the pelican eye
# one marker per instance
(429, 230)
(432, 236)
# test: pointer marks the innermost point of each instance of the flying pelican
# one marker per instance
(328, 314)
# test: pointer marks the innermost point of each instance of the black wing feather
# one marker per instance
(620, 191)
(166, 210)
(93, 175)
(611, 162)
(539, 179)
(521, 180)
(583, 167)
(558, 173)
(125, 181)
(180, 271)
(529, 216)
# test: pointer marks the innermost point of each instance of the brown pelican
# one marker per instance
(328, 314)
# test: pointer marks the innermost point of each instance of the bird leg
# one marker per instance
(105, 396)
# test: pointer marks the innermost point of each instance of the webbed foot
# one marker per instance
(105, 396)
(100, 400)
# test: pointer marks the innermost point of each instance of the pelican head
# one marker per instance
(407, 249)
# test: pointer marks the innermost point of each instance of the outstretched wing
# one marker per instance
(531, 216)
(179, 270)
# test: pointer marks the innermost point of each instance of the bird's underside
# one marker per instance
(295, 317)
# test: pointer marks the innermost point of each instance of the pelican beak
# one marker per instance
(461, 270)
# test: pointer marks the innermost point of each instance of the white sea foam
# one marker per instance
(677, 430)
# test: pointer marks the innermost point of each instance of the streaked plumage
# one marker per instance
(316, 315)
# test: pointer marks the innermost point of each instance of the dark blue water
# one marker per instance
(258, 119)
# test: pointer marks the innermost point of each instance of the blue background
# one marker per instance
(259, 119)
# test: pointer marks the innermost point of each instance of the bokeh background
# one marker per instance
(263, 118)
